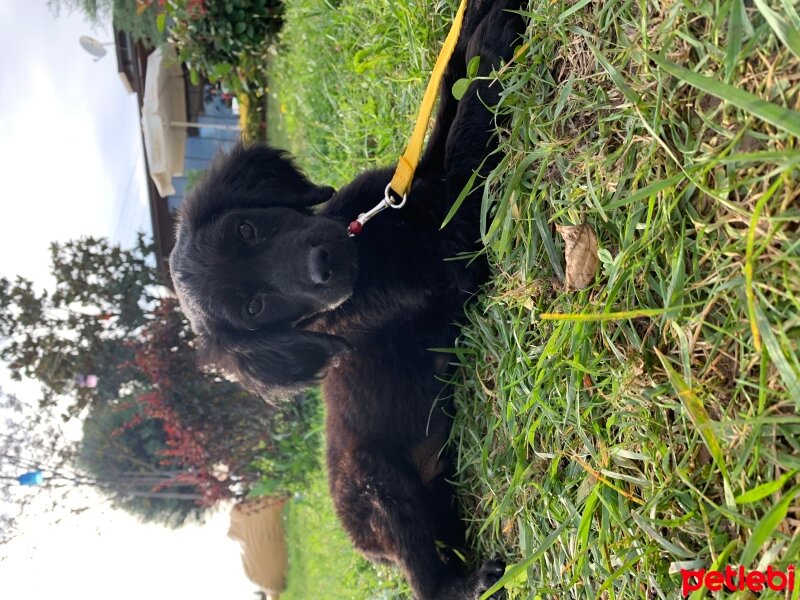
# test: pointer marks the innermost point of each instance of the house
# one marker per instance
(216, 127)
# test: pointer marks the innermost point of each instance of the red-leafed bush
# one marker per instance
(213, 431)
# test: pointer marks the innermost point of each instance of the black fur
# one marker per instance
(282, 299)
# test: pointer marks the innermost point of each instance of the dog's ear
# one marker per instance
(273, 364)
(251, 176)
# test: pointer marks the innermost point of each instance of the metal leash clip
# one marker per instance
(357, 226)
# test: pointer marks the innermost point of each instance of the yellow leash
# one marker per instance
(404, 175)
(407, 165)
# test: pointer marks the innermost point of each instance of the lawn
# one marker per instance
(609, 437)
(322, 561)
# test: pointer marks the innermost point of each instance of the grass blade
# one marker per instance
(646, 192)
(615, 75)
(563, 96)
(660, 539)
(748, 262)
(627, 566)
(765, 489)
(573, 9)
(789, 371)
(767, 525)
(518, 568)
(693, 406)
(735, 34)
(584, 528)
(783, 118)
(780, 25)
(613, 316)
(549, 246)
(460, 200)
(792, 13)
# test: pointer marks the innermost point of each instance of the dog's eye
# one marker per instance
(254, 307)
(246, 231)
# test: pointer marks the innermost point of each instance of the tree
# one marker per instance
(141, 23)
(160, 438)
(124, 449)
(100, 300)
(32, 440)
(95, 11)
(124, 469)
(126, 15)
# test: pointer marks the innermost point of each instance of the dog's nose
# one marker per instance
(319, 265)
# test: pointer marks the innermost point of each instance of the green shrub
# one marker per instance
(225, 41)
(292, 453)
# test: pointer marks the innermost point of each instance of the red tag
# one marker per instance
(355, 228)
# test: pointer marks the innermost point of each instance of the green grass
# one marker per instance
(322, 561)
(349, 79)
(655, 427)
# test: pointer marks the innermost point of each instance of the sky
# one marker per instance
(70, 151)
(71, 164)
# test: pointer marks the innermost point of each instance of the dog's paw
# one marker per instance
(473, 586)
(490, 573)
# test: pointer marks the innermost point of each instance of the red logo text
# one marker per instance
(736, 579)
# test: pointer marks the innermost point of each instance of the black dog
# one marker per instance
(281, 298)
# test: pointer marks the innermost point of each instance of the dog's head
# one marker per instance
(253, 264)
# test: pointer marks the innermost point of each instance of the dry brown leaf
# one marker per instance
(580, 251)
